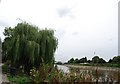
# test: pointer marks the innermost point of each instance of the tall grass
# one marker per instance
(47, 74)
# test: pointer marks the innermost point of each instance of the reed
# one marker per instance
(48, 74)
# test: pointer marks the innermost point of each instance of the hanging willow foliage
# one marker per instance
(28, 46)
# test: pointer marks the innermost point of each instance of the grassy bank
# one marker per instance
(50, 74)
(97, 64)
(19, 79)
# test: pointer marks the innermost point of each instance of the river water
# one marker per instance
(65, 69)
(103, 73)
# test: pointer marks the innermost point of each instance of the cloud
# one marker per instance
(65, 11)
(75, 33)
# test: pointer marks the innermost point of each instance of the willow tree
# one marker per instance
(29, 46)
(0, 45)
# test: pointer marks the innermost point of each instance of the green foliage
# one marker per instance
(8, 32)
(116, 60)
(4, 68)
(71, 60)
(83, 60)
(76, 60)
(89, 61)
(95, 59)
(101, 60)
(0, 50)
(27, 46)
(19, 79)
(59, 63)
(0, 44)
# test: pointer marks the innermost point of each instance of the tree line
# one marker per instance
(95, 59)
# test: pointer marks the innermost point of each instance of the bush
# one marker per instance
(4, 68)
(46, 73)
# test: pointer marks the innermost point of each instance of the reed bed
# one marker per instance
(51, 74)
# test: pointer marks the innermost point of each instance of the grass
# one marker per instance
(19, 79)
(4, 68)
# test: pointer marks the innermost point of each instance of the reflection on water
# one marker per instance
(96, 74)
(65, 69)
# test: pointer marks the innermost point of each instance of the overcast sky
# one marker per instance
(82, 26)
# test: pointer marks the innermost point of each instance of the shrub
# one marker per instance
(4, 68)
(46, 73)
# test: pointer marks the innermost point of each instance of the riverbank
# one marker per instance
(93, 73)
(93, 67)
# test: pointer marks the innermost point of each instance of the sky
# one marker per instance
(83, 27)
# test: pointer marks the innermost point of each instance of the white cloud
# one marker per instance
(63, 12)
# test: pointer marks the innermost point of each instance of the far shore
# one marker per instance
(93, 67)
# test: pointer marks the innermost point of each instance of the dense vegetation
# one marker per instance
(27, 46)
(0, 50)
(96, 60)
(0, 44)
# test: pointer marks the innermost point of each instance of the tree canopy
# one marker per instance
(115, 60)
(71, 60)
(82, 60)
(0, 44)
(0, 49)
(95, 59)
(29, 46)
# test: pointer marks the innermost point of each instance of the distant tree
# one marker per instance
(101, 60)
(59, 62)
(89, 61)
(116, 60)
(76, 60)
(71, 60)
(83, 60)
(110, 61)
(95, 59)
